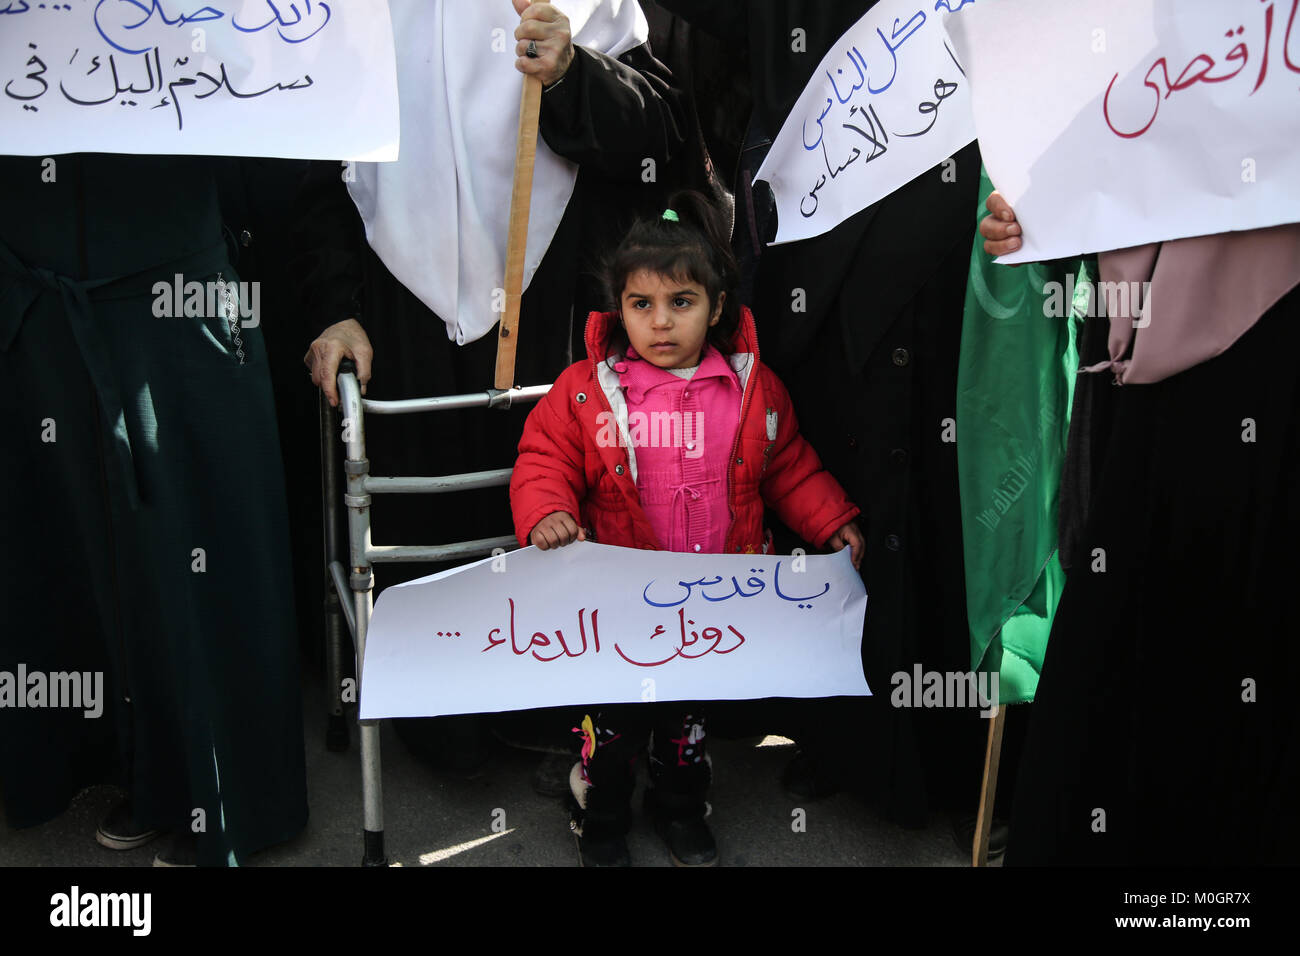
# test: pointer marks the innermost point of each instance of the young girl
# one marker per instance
(597, 461)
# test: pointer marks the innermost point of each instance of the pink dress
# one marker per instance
(682, 431)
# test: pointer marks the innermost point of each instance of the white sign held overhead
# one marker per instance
(1113, 123)
(591, 623)
(305, 79)
(889, 101)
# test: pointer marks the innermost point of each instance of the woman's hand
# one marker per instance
(848, 536)
(341, 340)
(556, 530)
(544, 25)
(1000, 230)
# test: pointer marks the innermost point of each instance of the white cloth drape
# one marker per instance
(437, 217)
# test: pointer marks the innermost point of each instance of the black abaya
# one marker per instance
(1165, 731)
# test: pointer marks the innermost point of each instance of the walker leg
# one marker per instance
(339, 612)
(372, 780)
(336, 728)
(372, 796)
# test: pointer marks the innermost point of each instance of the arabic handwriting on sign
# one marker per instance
(299, 84)
(22, 6)
(216, 83)
(879, 140)
(820, 132)
(1268, 36)
(1286, 43)
(116, 19)
(808, 213)
(877, 137)
(565, 650)
(540, 639)
(757, 583)
(708, 640)
(153, 72)
(684, 644)
(942, 90)
(1200, 69)
(36, 76)
(319, 15)
(953, 56)
(85, 99)
(645, 594)
(802, 601)
(115, 14)
(859, 63)
(737, 590)
(842, 166)
(897, 35)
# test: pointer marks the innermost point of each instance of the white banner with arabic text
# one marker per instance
(1113, 123)
(888, 102)
(290, 78)
(591, 623)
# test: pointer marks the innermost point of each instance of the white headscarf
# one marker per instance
(438, 216)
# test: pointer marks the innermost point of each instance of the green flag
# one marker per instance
(1015, 382)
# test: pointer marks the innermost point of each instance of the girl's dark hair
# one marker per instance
(694, 248)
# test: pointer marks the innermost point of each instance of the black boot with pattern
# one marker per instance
(680, 773)
(601, 787)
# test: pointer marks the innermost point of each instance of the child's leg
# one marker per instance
(680, 774)
(602, 782)
(679, 760)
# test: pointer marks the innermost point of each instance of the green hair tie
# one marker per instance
(670, 216)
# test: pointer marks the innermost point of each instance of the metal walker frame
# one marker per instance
(352, 577)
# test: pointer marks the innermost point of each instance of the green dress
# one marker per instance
(143, 511)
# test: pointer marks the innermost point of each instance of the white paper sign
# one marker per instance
(1111, 123)
(888, 102)
(307, 79)
(591, 623)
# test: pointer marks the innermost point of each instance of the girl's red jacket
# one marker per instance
(572, 458)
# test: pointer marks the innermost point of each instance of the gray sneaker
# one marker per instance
(182, 850)
(119, 831)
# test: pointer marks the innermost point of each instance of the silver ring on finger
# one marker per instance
(531, 52)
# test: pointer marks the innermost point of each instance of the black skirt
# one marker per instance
(1165, 728)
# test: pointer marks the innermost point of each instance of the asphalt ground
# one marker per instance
(495, 819)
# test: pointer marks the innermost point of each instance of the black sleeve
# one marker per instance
(723, 19)
(329, 241)
(610, 115)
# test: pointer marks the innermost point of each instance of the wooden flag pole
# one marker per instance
(992, 756)
(521, 195)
